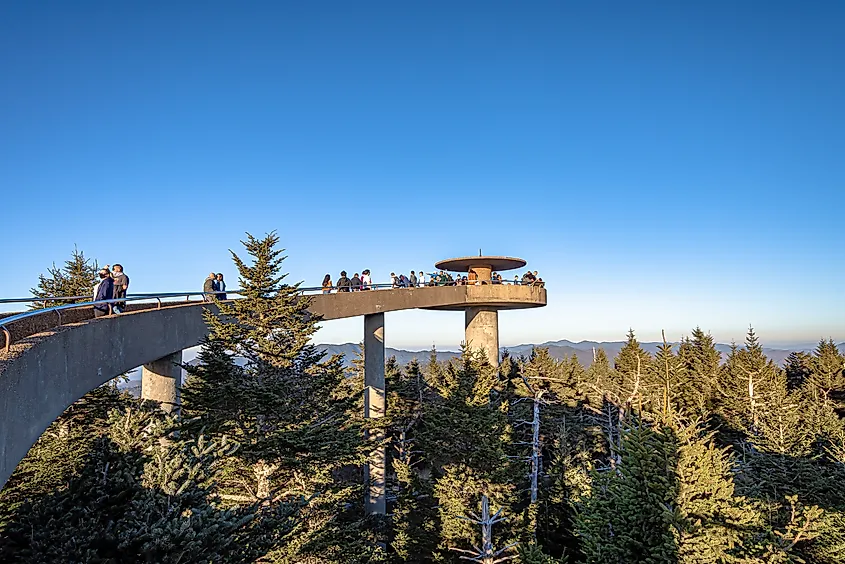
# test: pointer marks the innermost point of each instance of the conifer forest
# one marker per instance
(681, 456)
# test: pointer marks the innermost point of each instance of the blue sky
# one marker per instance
(662, 164)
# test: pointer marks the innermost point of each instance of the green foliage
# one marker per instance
(631, 513)
(76, 278)
(141, 496)
(701, 361)
(296, 417)
(749, 384)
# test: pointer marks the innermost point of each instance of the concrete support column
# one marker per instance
(482, 331)
(374, 407)
(484, 272)
(161, 379)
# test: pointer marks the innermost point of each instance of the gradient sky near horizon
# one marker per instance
(661, 164)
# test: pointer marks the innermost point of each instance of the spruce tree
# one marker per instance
(827, 375)
(142, 495)
(713, 520)
(291, 411)
(798, 367)
(632, 364)
(465, 437)
(749, 383)
(668, 385)
(631, 514)
(76, 278)
(701, 361)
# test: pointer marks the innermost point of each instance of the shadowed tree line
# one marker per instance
(671, 457)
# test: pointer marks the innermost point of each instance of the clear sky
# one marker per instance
(661, 164)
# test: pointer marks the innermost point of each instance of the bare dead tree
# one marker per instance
(486, 554)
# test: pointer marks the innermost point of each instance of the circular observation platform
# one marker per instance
(466, 264)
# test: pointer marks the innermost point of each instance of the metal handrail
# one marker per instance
(236, 292)
(158, 297)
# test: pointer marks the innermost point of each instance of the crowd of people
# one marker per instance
(113, 285)
(421, 279)
(531, 279)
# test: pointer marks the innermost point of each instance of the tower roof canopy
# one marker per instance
(463, 264)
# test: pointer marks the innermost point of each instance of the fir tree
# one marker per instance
(142, 495)
(632, 365)
(292, 413)
(76, 278)
(631, 513)
(701, 361)
(668, 379)
(713, 521)
(798, 367)
(827, 375)
(749, 383)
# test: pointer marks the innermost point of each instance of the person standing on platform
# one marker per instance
(366, 281)
(412, 280)
(343, 282)
(327, 284)
(121, 286)
(221, 287)
(355, 282)
(104, 290)
(209, 287)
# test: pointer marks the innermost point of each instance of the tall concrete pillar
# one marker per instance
(161, 379)
(482, 331)
(374, 406)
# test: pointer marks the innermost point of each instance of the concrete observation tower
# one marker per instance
(482, 317)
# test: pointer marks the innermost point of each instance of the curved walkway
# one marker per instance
(47, 371)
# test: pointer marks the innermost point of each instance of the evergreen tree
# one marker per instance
(464, 436)
(142, 495)
(293, 414)
(669, 388)
(701, 362)
(798, 367)
(749, 383)
(713, 521)
(632, 364)
(631, 513)
(827, 375)
(76, 278)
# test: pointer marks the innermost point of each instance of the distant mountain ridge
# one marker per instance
(583, 350)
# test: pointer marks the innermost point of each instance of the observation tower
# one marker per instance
(488, 296)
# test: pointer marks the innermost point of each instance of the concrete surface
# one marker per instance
(374, 408)
(161, 380)
(482, 331)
